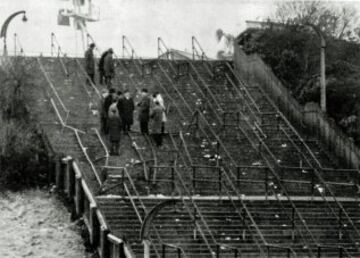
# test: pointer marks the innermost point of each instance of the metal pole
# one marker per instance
(15, 35)
(322, 75)
(123, 46)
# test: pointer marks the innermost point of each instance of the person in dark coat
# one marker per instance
(90, 63)
(109, 68)
(144, 112)
(126, 109)
(114, 127)
(102, 112)
(109, 99)
(101, 67)
(156, 123)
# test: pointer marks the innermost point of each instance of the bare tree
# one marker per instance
(333, 19)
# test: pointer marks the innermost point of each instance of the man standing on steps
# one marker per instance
(90, 64)
(101, 67)
(109, 69)
(144, 112)
(107, 103)
(126, 108)
(156, 125)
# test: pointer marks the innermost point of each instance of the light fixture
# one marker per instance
(24, 18)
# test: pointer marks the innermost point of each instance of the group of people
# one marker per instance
(106, 66)
(117, 111)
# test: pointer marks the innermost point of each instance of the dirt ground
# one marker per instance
(35, 223)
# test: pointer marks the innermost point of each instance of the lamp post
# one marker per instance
(322, 67)
(5, 27)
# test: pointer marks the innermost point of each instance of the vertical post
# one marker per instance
(123, 46)
(266, 183)
(123, 179)
(293, 224)
(146, 244)
(15, 36)
(318, 252)
(58, 173)
(95, 226)
(193, 47)
(217, 250)
(179, 253)
(340, 252)
(322, 74)
(172, 179)
(220, 175)
(158, 43)
(238, 177)
(340, 225)
(52, 43)
(194, 178)
(79, 201)
(104, 243)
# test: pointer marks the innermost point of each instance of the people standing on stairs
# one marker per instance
(119, 95)
(90, 64)
(109, 68)
(114, 128)
(102, 112)
(144, 111)
(157, 97)
(126, 109)
(156, 123)
(107, 103)
(101, 67)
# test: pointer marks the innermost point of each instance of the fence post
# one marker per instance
(104, 243)
(79, 197)
(293, 224)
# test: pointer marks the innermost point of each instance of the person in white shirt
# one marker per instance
(158, 98)
(225, 45)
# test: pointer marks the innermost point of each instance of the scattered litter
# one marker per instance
(284, 145)
(278, 161)
(256, 163)
(207, 156)
(304, 171)
(177, 220)
(277, 216)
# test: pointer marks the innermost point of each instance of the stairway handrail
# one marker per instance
(233, 161)
(145, 210)
(317, 163)
(126, 41)
(196, 44)
(66, 110)
(83, 149)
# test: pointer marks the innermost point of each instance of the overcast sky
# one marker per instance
(141, 20)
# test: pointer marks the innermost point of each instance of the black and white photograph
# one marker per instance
(179, 129)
